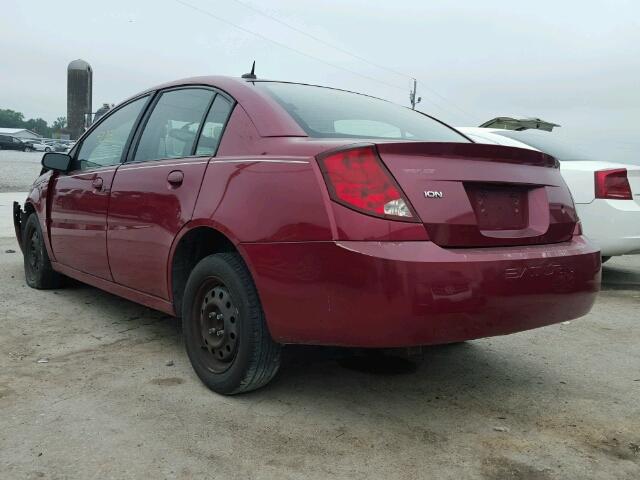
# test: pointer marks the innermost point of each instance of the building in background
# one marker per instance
(79, 96)
(19, 133)
(102, 110)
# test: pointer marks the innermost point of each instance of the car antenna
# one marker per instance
(251, 75)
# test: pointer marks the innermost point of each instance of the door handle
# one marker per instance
(97, 183)
(175, 178)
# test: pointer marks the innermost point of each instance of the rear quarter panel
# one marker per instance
(254, 195)
(579, 177)
(264, 199)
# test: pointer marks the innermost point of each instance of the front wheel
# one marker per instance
(37, 266)
(224, 327)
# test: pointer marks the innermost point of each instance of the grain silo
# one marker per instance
(79, 93)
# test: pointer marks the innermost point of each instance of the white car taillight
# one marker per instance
(613, 184)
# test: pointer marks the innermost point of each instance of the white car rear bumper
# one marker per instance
(613, 224)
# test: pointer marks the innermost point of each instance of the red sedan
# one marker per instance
(266, 213)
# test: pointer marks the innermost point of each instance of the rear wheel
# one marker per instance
(225, 332)
(37, 266)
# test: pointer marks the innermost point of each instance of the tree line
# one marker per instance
(13, 119)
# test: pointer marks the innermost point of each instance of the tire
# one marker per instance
(28, 149)
(605, 259)
(224, 327)
(37, 266)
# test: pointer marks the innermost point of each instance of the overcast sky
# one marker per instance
(576, 63)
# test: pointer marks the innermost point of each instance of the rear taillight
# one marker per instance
(356, 178)
(613, 184)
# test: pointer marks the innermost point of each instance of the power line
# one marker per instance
(354, 55)
(465, 113)
(318, 59)
(320, 40)
(280, 44)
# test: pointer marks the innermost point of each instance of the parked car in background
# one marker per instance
(29, 143)
(8, 142)
(56, 145)
(606, 194)
(39, 146)
(266, 213)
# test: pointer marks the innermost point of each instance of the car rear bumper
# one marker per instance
(613, 225)
(396, 294)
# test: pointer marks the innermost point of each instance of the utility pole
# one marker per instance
(412, 95)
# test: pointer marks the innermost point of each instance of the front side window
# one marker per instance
(213, 126)
(105, 144)
(329, 113)
(173, 125)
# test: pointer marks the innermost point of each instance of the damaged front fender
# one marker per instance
(18, 220)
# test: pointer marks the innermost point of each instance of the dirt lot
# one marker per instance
(18, 170)
(92, 386)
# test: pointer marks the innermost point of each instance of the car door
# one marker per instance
(154, 193)
(79, 198)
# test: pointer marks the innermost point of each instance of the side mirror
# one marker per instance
(59, 162)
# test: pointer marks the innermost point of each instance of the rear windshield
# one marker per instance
(546, 142)
(328, 113)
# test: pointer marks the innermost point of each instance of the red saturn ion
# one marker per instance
(267, 213)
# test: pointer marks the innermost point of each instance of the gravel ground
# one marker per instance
(18, 170)
(93, 386)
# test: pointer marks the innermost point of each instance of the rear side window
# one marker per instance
(104, 145)
(214, 126)
(173, 125)
(329, 113)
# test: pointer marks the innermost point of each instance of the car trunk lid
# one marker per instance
(483, 195)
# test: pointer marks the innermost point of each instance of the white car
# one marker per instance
(40, 146)
(606, 194)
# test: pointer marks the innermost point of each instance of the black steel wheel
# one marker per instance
(225, 331)
(217, 323)
(37, 266)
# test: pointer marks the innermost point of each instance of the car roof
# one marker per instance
(269, 118)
